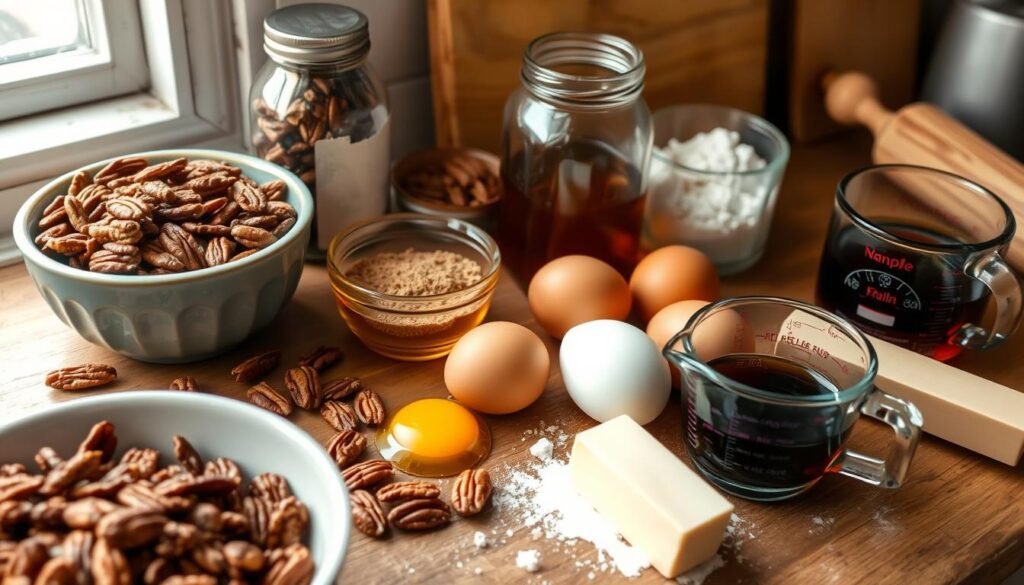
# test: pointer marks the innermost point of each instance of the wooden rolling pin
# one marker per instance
(922, 134)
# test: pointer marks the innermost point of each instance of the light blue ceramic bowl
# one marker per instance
(172, 318)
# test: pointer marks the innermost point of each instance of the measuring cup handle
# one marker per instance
(992, 271)
(906, 421)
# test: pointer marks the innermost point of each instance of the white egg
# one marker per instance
(611, 368)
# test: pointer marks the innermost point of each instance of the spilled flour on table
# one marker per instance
(540, 497)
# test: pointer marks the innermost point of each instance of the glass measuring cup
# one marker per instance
(914, 256)
(773, 388)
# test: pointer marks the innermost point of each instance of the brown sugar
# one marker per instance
(415, 274)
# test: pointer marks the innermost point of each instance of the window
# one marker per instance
(57, 53)
(85, 80)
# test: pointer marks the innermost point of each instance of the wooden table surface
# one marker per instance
(958, 519)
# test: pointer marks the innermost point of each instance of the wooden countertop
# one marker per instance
(958, 519)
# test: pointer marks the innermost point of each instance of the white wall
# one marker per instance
(398, 52)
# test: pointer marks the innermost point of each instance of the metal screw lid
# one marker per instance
(317, 34)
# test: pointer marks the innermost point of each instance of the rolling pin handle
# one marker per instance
(852, 98)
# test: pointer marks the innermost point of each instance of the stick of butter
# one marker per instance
(655, 501)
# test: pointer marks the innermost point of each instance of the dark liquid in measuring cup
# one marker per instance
(581, 199)
(762, 444)
(915, 300)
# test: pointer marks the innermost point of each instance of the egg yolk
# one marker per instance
(433, 437)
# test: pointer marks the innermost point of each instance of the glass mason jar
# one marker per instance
(576, 146)
(318, 109)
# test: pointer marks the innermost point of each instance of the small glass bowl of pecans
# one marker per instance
(462, 183)
(409, 285)
(167, 256)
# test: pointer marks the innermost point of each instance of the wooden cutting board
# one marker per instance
(696, 50)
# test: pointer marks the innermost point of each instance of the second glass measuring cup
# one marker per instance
(768, 415)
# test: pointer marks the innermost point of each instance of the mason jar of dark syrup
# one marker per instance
(576, 147)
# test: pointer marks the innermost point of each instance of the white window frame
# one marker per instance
(192, 100)
(114, 65)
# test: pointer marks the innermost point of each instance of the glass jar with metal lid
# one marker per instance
(318, 109)
(576, 147)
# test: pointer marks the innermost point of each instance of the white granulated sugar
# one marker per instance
(698, 574)
(478, 571)
(509, 533)
(458, 565)
(480, 540)
(542, 495)
(721, 214)
(542, 449)
(528, 560)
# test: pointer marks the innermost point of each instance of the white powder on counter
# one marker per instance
(544, 497)
(542, 449)
(723, 215)
(528, 560)
(480, 540)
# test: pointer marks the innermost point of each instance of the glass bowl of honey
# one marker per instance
(409, 285)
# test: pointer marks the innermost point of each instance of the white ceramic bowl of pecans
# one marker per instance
(251, 442)
(167, 256)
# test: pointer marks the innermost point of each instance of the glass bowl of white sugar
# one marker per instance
(713, 181)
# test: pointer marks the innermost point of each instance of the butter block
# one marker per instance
(957, 406)
(655, 501)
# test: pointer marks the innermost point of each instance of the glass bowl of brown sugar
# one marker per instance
(409, 285)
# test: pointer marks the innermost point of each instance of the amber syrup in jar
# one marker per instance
(582, 199)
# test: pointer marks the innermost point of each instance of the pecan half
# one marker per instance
(304, 385)
(131, 527)
(341, 388)
(176, 539)
(419, 514)
(243, 556)
(101, 438)
(370, 408)
(121, 167)
(73, 244)
(257, 513)
(408, 490)
(322, 357)
(224, 467)
(219, 251)
(272, 487)
(57, 231)
(58, 571)
(249, 197)
(81, 377)
(154, 253)
(211, 183)
(339, 415)
(367, 514)
(256, 367)
(85, 513)
(264, 396)
(288, 522)
(180, 244)
(145, 461)
(346, 447)
(283, 227)
(292, 565)
(78, 217)
(81, 466)
(187, 485)
(113, 263)
(179, 213)
(109, 566)
(187, 455)
(225, 214)
(252, 237)
(184, 384)
(46, 458)
(471, 491)
(159, 170)
(132, 208)
(79, 181)
(367, 473)
(123, 231)
(29, 557)
(273, 190)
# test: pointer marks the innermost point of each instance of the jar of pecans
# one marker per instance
(318, 109)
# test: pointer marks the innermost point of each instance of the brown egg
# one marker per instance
(669, 275)
(497, 368)
(723, 333)
(575, 289)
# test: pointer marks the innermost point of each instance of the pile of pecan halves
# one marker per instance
(133, 217)
(92, 518)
